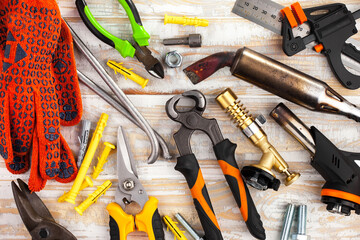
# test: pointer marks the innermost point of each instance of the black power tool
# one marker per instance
(340, 169)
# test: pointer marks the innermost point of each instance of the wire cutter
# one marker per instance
(36, 216)
(224, 150)
(129, 193)
(124, 47)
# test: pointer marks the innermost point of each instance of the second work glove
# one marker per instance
(39, 91)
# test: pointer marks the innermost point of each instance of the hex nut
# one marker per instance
(173, 59)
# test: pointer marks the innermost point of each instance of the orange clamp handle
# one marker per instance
(290, 16)
(299, 12)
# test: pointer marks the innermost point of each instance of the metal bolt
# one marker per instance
(194, 40)
(128, 185)
(289, 217)
(301, 227)
(187, 226)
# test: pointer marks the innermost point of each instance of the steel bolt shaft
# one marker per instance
(289, 217)
(187, 226)
(301, 227)
(193, 40)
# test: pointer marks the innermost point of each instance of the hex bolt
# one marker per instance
(289, 217)
(187, 226)
(193, 40)
(301, 227)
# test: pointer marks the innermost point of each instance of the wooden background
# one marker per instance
(226, 32)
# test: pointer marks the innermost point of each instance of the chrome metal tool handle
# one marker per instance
(293, 125)
(120, 95)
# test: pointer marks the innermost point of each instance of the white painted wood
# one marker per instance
(226, 32)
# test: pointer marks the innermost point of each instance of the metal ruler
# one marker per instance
(267, 13)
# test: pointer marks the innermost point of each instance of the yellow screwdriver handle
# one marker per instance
(71, 196)
(102, 160)
(93, 197)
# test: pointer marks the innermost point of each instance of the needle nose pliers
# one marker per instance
(225, 153)
(124, 47)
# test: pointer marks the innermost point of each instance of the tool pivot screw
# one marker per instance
(141, 191)
(129, 185)
(44, 233)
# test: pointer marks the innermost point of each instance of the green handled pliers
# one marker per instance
(124, 47)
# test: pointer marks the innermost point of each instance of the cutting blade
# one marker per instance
(130, 188)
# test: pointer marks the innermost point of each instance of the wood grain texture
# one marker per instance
(226, 32)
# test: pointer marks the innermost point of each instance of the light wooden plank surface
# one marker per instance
(227, 32)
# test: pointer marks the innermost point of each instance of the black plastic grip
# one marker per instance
(225, 153)
(189, 167)
(134, 11)
(157, 226)
(80, 5)
(114, 229)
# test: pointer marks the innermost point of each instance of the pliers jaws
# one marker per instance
(35, 215)
(192, 120)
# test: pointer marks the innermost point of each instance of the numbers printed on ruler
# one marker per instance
(267, 14)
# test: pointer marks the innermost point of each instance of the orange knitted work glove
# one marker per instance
(39, 91)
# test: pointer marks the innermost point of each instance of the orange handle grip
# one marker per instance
(190, 168)
(225, 153)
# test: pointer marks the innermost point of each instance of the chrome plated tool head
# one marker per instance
(130, 188)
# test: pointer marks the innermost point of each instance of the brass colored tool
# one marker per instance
(93, 197)
(186, 21)
(102, 160)
(127, 73)
(86, 183)
(171, 225)
(258, 175)
(71, 196)
(276, 78)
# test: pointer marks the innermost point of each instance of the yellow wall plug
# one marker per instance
(186, 21)
(93, 197)
(119, 68)
(171, 225)
(74, 191)
(102, 160)
(86, 183)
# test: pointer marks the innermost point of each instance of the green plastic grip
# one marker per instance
(139, 33)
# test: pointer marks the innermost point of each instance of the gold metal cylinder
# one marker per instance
(270, 158)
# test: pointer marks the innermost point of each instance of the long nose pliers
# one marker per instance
(124, 47)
